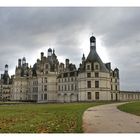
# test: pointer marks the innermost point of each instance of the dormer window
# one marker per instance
(88, 66)
(96, 67)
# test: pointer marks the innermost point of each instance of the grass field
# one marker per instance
(132, 107)
(43, 118)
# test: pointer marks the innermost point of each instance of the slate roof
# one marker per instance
(94, 57)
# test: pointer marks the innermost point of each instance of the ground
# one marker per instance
(132, 107)
(108, 119)
(43, 118)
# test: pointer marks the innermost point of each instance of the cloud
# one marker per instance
(25, 31)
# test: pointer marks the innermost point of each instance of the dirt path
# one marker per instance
(108, 119)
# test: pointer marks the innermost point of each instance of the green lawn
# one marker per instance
(43, 118)
(132, 107)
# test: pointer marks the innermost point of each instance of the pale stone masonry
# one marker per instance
(51, 81)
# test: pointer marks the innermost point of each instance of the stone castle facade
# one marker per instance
(51, 81)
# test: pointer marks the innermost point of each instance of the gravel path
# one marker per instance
(108, 119)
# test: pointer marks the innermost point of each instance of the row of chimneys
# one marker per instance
(22, 62)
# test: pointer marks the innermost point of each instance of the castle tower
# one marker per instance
(6, 69)
(19, 62)
(23, 61)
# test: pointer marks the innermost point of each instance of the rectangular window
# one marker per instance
(111, 87)
(88, 75)
(46, 79)
(97, 95)
(111, 96)
(59, 88)
(96, 74)
(72, 87)
(89, 95)
(42, 87)
(65, 87)
(88, 67)
(45, 96)
(89, 84)
(96, 67)
(45, 87)
(96, 84)
(68, 87)
(116, 87)
(71, 78)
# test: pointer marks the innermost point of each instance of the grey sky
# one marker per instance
(28, 31)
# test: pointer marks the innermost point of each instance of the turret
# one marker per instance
(83, 58)
(42, 55)
(6, 68)
(92, 43)
(116, 72)
(19, 62)
(67, 63)
(24, 61)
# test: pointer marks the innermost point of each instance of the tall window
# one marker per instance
(72, 87)
(89, 95)
(45, 87)
(116, 87)
(46, 79)
(88, 75)
(89, 84)
(71, 78)
(96, 67)
(97, 95)
(45, 96)
(88, 67)
(111, 87)
(111, 96)
(96, 84)
(96, 74)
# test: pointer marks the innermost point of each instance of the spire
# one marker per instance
(83, 58)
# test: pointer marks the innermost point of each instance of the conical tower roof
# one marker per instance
(94, 57)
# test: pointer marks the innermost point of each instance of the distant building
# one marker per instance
(51, 81)
(5, 85)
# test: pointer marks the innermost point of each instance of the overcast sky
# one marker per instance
(29, 31)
